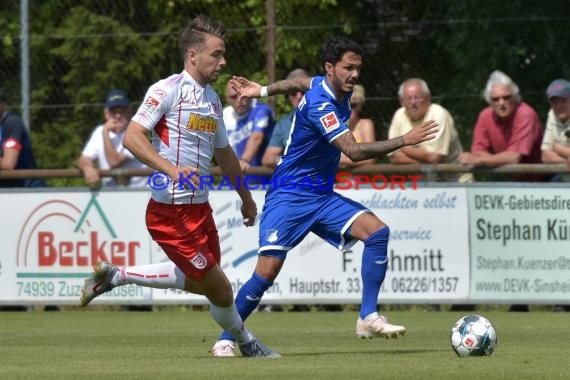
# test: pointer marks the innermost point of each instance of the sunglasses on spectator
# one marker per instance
(504, 97)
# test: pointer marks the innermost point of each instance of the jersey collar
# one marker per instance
(328, 90)
(189, 78)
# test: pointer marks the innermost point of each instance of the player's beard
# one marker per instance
(341, 86)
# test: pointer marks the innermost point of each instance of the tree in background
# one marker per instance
(80, 50)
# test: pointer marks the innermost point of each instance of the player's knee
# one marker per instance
(269, 264)
(382, 226)
(268, 273)
(380, 236)
(221, 297)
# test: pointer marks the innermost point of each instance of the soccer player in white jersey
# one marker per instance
(183, 112)
(319, 134)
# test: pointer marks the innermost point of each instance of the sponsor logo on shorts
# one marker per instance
(199, 261)
(330, 122)
(271, 236)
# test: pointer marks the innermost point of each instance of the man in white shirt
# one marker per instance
(106, 145)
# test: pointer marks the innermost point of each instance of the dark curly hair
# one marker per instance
(333, 50)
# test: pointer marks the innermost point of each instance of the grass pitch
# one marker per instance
(94, 344)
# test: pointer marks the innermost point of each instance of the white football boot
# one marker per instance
(378, 325)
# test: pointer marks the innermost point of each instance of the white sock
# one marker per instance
(164, 275)
(228, 318)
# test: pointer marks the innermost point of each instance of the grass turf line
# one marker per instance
(316, 345)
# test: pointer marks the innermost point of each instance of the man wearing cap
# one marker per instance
(507, 132)
(15, 147)
(106, 144)
(556, 141)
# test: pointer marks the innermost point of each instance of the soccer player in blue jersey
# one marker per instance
(318, 135)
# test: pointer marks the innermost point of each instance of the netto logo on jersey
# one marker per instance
(202, 123)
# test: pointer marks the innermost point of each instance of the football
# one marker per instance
(473, 335)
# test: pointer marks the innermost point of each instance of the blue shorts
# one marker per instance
(287, 218)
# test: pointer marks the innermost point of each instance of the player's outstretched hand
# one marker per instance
(245, 88)
(424, 132)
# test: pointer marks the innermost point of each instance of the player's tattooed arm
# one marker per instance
(249, 89)
(288, 86)
(363, 151)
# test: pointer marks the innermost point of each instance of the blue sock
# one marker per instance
(248, 298)
(373, 270)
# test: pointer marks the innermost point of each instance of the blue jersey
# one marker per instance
(310, 160)
(259, 118)
(13, 135)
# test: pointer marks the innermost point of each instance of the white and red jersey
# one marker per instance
(187, 124)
